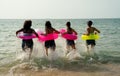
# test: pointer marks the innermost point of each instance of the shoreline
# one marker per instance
(108, 69)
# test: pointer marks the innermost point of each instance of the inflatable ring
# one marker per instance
(26, 36)
(90, 37)
(72, 36)
(47, 37)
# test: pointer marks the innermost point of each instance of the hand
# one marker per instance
(95, 32)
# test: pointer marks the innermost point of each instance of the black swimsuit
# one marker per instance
(70, 42)
(90, 42)
(50, 44)
(27, 43)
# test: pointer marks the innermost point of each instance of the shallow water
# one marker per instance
(107, 48)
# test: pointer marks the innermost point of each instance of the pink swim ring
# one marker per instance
(72, 36)
(47, 37)
(26, 36)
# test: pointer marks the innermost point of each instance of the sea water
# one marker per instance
(107, 47)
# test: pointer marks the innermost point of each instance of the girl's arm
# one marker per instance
(74, 31)
(56, 31)
(97, 30)
(19, 31)
(35, 33)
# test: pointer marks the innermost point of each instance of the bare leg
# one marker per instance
(46, 51)
(92, 49)
(30, 53)
(53, 48)
(92, 46)
(25, 47)
(73, 47)
(68, 49)
(88, 49)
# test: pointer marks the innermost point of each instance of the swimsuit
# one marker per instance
(50, 44)
(70, 42)
(27, 43)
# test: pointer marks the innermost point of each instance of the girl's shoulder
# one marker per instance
(93, 27)
(72, 29)
(31, 29)
(52, 29)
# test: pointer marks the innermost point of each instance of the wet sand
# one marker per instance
(109, 69)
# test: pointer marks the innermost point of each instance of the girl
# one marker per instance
(50, 43)
(70, 43)
(27, 30)
(90, 30)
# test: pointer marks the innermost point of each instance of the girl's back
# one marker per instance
(28, 30)
(70, 31)
(49, 30)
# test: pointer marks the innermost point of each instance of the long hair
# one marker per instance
(68, 24)
(48, 25)
(27, 24)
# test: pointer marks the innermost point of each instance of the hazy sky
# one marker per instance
(41, 9)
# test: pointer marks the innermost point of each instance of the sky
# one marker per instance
(59, 9)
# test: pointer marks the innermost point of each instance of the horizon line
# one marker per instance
(62, 18)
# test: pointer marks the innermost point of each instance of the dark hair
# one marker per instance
(27, 24)
(89, 23)
(68, 24)
(48, 24)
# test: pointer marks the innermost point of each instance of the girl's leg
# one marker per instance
(73, 47)
(67, 50)
(68, 47)
(30, 53)
(88, 49)
(92, 49)
(53, 47)
(24, 46)
(46, 51)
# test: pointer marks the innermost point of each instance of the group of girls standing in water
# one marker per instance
(28, 43)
